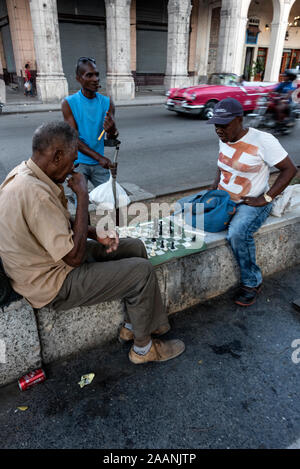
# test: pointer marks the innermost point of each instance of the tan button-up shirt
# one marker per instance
(35, 233)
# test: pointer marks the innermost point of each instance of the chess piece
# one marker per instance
(162, 244)
(160, 228)
(171, 228)
(172, 245)
(152, 253)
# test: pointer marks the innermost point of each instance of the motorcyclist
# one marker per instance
(284, 90)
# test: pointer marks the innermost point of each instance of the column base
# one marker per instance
(176, 81)
(51, 89)
(120, 87)
(2, 92)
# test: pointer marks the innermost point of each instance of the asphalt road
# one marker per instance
(236, 385)
(161, 152)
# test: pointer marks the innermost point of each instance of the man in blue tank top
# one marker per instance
(90, 113)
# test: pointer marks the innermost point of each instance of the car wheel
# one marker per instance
(209, 110)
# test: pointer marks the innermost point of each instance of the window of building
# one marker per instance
(252, 31)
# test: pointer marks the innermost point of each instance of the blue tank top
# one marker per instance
(89, 115)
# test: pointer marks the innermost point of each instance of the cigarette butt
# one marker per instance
(101, 135)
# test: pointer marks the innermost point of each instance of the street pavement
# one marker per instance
(236, 385)
(161, 152)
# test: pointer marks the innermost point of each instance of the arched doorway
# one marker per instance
(258, 37)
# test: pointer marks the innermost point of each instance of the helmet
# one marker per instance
(289, 73)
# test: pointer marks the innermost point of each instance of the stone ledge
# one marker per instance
(18, 331)
(184, 282)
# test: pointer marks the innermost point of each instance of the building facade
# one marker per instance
(143, 43)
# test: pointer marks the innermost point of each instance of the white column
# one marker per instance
(51, 82)
(179, 12)
(232, 36)
(278, 31)
(2, 85)
(203, 37)
(119, 80)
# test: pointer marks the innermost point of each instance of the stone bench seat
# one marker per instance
(35, 337)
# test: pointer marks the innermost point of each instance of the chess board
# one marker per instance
(163, 240)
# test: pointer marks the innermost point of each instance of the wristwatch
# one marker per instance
(268, 198)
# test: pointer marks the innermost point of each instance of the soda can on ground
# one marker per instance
(32, 378)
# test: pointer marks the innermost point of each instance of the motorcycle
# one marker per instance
(265, 115)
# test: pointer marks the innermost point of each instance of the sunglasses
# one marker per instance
(86, 59)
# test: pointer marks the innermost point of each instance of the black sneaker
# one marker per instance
(246, 296)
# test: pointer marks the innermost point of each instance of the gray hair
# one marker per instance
(47, 134)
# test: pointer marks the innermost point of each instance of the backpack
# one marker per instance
(211, 210)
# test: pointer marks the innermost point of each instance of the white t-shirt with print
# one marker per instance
(245, 164)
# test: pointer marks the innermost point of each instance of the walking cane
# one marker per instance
(115, 143)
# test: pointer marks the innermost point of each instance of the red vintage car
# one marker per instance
(201, 99)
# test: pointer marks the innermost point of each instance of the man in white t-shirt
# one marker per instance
(245, 158)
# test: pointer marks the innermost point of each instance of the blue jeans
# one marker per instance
(246, 221)
(94, 173)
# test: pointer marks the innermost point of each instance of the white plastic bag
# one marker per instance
(103, 196)
(287, 201)
(27, 85)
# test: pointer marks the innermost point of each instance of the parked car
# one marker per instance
(201, 99)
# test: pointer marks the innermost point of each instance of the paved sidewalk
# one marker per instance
(19, 104)
(236, 385)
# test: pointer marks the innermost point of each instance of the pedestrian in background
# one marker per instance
(28, 88)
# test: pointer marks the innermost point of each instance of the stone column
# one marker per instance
(203, 39)
(22, 35)
(2, 85)
(232, 36)
(179, 12)
(278, 31)
(51, 82)
(119, 80)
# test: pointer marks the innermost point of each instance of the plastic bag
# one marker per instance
(27, 85)
(103, 196)
(287, 201)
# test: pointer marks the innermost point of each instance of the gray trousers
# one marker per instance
(125, 274)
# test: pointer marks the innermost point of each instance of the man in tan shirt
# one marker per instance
(49, 260)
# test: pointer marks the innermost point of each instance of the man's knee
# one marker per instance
(135, 248)
(236, 235)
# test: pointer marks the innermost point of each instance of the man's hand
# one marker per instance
(109, 124)
(105, 162)
(255, 201)
(108, 239)
(77, 183)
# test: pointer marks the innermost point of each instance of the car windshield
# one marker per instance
(222, 79)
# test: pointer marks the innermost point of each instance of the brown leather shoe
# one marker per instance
(126, 335)
(159, 352)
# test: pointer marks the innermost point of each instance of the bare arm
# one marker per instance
(109, 122)
(287, 171)
(83, 147)
(75, 257)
